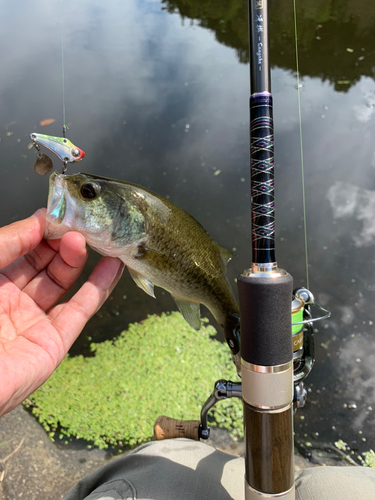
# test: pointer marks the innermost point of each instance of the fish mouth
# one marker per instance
(56, 205)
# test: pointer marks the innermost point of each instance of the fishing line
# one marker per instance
(301, 144)
(64, 149)
(62, 66)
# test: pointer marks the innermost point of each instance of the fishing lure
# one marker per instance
(64, 149)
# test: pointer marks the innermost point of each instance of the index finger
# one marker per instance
(70, 318)
(21, 237)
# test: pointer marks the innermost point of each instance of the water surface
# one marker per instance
(157, 94)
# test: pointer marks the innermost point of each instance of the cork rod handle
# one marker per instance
(169, 428)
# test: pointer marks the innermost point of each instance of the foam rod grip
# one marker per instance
(169, 428)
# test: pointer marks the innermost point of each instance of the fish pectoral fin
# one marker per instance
(190, 312)
(142, 282)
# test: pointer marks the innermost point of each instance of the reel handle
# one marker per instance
(169, 428)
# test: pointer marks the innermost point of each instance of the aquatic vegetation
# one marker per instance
(160, 366)
(369, 458)
(341, 445)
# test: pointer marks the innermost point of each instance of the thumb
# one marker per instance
(19, 238)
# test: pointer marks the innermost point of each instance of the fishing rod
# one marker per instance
(276, 354)
(265, 293)
(277, 348)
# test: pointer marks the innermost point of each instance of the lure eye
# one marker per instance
(88, 190)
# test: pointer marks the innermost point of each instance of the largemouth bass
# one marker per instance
(160, 243)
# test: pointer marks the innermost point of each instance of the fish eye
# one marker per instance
(89, 190)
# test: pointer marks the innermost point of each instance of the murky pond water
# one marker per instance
(157, 94)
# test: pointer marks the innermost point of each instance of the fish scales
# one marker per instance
(160, 243)
(196, 269)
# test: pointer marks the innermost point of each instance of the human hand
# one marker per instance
(36, 334)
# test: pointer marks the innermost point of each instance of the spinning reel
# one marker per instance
(303, 362)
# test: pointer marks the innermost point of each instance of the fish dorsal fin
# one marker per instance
(142, 282)
(226, 255)
(190, 312)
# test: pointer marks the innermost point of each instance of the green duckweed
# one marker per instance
(160, 366)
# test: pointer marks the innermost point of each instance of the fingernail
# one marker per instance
(39, 212)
